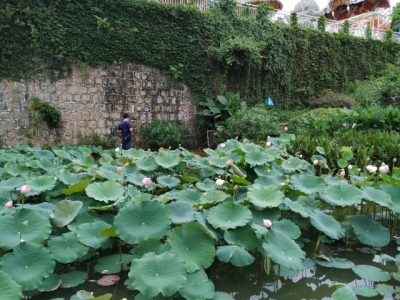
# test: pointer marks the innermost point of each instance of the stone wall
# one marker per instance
(92, 100)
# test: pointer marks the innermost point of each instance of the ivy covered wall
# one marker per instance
(212, 52)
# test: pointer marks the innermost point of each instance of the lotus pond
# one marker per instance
(174, 225)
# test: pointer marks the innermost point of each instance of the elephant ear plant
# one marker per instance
(160, 220)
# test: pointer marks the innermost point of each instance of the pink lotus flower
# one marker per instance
(119, 170)
(267, 223)
(147, 181)
(9, 204)
(384, 168)
(229, 163)
(342, 173)
(25, 189)
(235, 187)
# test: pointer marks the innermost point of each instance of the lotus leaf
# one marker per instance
(27, 225)
(16, 169)
(217, 161)
(62, 154)
(307, 183)
(105, 191)
(72, 279)
(77, 187)
(140, 221)
(213, 196)
(265, 196)
(42, 153)
(371, 273)
(222, 296)
(181, 212)
(51, 283)
(242, 236)
(136, 178)
(344, 293)
(189, 179)
(197, 286)
(154, 274)
(84, 162)
(107, 174)
(257, 157)
(248, 147)
(234, 254)
(228, 215)
(365, 291)
(283, 250)
(42, 183)
(385, 290)
(369, 231)
(342, 195)
(284, 272)
(297, 207)
(29, 264)
(396, 276)
(44, 208)
(46, 165)
(150, 245)
(201, 218)
(335, 262)
(9, 288)
(327, 224)
(206, 186)
(394, 192)
(66, 248)
(168, 181)
(378, 196)
(288, 228)
(65, 212)
(82, 295)
(192, 243)
(89, 234)
(11, 183)
(294, 164)
(144, 297)
(82, 219)
(113, 264)
(191, 195)
(147, 164)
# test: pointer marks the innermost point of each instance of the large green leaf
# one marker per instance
(344, 293)
(228, 215)
(168, 181)
(378, 196)
(369, 231)
(287, 227)
(242, 236)
(113, 264)
(77, 187)
(294, 164)
(257, 157)
(342, 195)
(150, 245)
(9, 288)
(283, 250)
(89, 234)
(307, 183)
(197, 286)
(371, 273)
(51, 283)
(65, 212)
(181, 212)
(234, 254)
(41, 183)
(11, 183)
(28, 264)
(334, 262)
(265, 196)
(26, 225)
(167, 159)
(105, 191)
(72, 279)
(66, 248)
(365, 291)
(16, 169)
(192, 243)
(394, 192)
(140, 221)
(191, 195)
(147, 164)
(154, 274)
(213, 197)
(327, 224)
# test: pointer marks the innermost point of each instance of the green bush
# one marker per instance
(162, 133)
(49, 114)
(331, 99)
(94, 139)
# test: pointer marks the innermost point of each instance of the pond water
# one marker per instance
(252, 283)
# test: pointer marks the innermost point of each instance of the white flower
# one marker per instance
(285, 128)
(219, 182)
(269, 144)
(147, 181)
(22, 240)
(394, 159)
(384, 168)
(235, 187)
(117, 149)
(342, 173)
(267, 223)
(372, 169)
(354, 125)
(222, 145)
(350, 167)
(25, 189)
(315, 162)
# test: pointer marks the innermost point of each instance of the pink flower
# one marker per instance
(119, 170)
(267, 223)
(342, 173)
(229, 163)
(9, 204)
(147, 181)
(25, 189)
(384, 168)
(235, 187)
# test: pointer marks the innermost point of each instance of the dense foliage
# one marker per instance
(161, 133)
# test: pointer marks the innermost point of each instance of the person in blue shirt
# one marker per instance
(126, 132)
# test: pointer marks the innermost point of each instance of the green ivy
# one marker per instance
(50, 114)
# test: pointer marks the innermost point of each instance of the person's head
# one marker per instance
(125, 115)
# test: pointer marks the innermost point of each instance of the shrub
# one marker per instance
(49, 114)
(94, 139)
(162, 133)
(331, 100)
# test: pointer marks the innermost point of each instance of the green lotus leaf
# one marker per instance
(386, 290)
(147, 164)
(284, 272)
(9, 288)
(265, 196)
(297, 207)
(197, 286)
(365, 291)
(283, 250)
(66, 248)
(396, 275)
(42, 153)
(327, 224)
(136, 178)
(81, 295)
(26, 225)
(106, 159)
(136, 153)
(154, 274)
(62, 154)
(206, 186)
(288, 228)
(394, 192)
(239, 180)
(113, 264)
(378, 196)
(51, 283)
(12, 183)
(235, 255)
(45, 208)
(82, 219)
(42, 183)
(201, 218)
(140, 296)
(294, 164)
(369, 231)
(242, 236)
(342, 163)
(72, 279)
(342, 195)
(77, 187)
(217, 161)
(84, 162)
(189, 179)
(307, 183)
(192, 243)
(335, 262)
(65, 212)
(105, 191)
(140, 221)
(344, 293)
(181, 212)
(167, 159)
(168, 181)
(150, 245)
(16, 169)
(371, 273)
(191, 195)
(248, 147)
(228, 215)
(29, 264)
(257, 157)
(222, 296)
(107, 174)
(46, 165)
(89, 234)
(212, 197)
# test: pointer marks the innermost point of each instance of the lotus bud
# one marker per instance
(229, 163)
(342, 173)
(25, 189)
(222, 145)
(350, 167)
(315, 162)
(300, 155)
(267, 223)
(201, 207)
(235, 187)
(285, 128)
(149, 150)
(9, 204)
(147, 181)
(268, 144)
(219, 182)
(371, 169)
(117, 149)
(384, 168)
(119, 170)
(394, 159)
(22, 241)
(126, 165)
